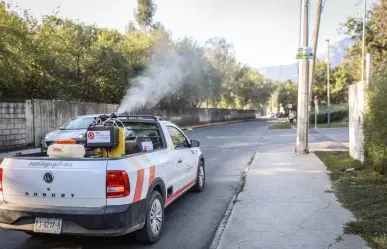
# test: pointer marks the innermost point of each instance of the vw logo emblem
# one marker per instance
(48, 177)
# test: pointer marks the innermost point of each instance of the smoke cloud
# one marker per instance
(166, 72)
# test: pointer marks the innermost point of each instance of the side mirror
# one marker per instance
(195, 143)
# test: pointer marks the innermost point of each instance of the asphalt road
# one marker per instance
(192, 220)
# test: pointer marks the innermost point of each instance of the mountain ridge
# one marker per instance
(338, 52)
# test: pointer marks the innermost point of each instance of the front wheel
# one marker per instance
(154, 220)
(200, 178)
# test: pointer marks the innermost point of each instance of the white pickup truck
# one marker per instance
(94, 196)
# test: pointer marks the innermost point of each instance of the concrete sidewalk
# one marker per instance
(287, 203)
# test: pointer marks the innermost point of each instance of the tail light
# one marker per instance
(117, 184)
(1, 180)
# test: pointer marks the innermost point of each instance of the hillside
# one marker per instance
(290, 71)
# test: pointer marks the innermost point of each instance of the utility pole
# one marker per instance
(303, 88)
(315, 42)
(363, 47)
(328, 87)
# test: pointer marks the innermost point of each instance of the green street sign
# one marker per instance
(304, 53)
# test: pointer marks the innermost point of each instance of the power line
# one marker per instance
(299, 37)
(323, 5)
(299, 33)
(358, 3)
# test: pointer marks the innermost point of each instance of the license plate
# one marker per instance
(48, 225)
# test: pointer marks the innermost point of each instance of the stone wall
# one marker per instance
(12, 125)
(25, 124)
(49, 115)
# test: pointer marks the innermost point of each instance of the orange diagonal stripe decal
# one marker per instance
(140, 179)
(139, 184)
(152, 174)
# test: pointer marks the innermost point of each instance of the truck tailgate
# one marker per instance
(54, 182)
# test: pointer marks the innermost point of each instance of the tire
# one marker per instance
(200, 178)
(151, 232)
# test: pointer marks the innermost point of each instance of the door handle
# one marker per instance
(179, 161)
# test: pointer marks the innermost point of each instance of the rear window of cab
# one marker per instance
(142, 129)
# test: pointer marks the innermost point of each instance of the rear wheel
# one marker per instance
(200, 178)
(154, 220)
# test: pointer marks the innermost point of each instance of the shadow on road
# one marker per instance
(71, 242)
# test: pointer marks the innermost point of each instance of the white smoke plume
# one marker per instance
(166, 72)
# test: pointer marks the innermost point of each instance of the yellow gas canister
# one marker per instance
(119, 150)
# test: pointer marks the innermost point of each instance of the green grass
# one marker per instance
(364, 192)
(242, 183)
(334, 124)
(286, 125)
(282, 125)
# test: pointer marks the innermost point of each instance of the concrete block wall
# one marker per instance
(25, 124)
(49, 115)
(12, 126)
(195, 116)
(356, 120)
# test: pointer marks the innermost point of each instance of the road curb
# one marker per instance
(223, 222)
(216, 124)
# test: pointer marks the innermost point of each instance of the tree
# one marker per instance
(15, 48)
(287, 94)
(59, 58)
(131, 27)
(320, 81)
(375, 131)
(252, 89)
(221, 56)
(376, 38)
(145, 12)
(342, 78)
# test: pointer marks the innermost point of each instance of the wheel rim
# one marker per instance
(201, 176)
(156, 216)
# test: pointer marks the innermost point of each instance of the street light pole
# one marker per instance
(363, 45)
(303, 88)
(328, 87)
(315, 42)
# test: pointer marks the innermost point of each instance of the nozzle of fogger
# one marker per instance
(114, 115)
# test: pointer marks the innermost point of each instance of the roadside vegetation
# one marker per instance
(361, 187)
(242, 183)
(282, 125)
(341, 78)
(57, 58)
(363, 191)
(335, 124)
(286, 125)
(375, 123)
(375, 118)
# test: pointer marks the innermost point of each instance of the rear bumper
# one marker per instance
(105, 221)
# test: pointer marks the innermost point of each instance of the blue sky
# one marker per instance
(264, 32)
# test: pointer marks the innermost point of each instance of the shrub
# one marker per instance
(375, 125)
(323, 117)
